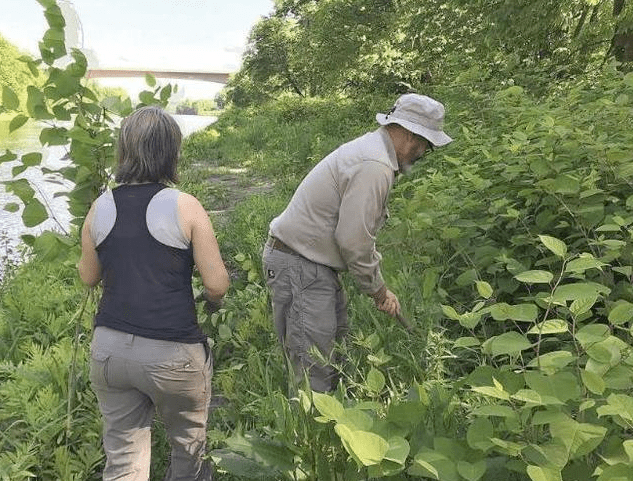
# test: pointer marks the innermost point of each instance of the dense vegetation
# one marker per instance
(13, 72)
(510, 249)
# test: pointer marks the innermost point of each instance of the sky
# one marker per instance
(198, 35)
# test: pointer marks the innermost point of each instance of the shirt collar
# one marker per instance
(391, 150)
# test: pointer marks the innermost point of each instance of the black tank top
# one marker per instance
(146, 284)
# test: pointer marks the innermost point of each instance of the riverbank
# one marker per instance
(497, 245)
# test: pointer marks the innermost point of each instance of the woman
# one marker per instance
(141, 240)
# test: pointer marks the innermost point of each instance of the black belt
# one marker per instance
(276, 244)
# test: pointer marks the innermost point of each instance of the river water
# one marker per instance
(26, 140)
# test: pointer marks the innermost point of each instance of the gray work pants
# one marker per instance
(310, 309)
(133, 377)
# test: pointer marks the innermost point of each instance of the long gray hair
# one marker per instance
(149, 146)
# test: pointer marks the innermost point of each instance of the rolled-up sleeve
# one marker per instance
(362, 212)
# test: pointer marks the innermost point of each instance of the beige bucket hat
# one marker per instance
(419, 114)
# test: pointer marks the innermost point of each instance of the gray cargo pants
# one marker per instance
(133, 377)
(310, 309)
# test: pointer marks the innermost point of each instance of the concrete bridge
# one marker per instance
(216, 77)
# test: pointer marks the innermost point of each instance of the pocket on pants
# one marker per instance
(99, 369)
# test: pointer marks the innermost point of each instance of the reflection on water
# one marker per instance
(48, 188)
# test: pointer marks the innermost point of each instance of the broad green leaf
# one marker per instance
(479, 433)
(32, 159)
(406, 414)
(562, 386)
(471, 471)
(54, 136)
(492, 391)
(470, 319)
(8, 156)
(28, 239)
(54, 17)
(579, 438)
(592, 381)
(375, 380)
(10, 100)
(551, 453)
(467, 278)
(367, 448)
(532, 397)
(484, 289)
(540, 473)
(385, 469)
(618, 472)
(81, 135)
(79, 66)
(356, 419)
(609, 228)
(21, 188)
(64, 83)
(592, 334)
(519, 312)
(242, 466)
(265, 451)
(434, 464)
(552, 361)
(34, 213)
(450, 312)
(508, 447)
(509, 343)
(147, 97)
(551, 326)
(165, 93)
(565, 184)
(328, 406)
(583, 263)
(150, 80)
(17, 122)
(49, 246)
(618, 405)
(54, 37)
(466, 342)
(621, 313)
(588, 404)
(579, 290)
(422, 467)
(535, 277)
(36, 104)
(548, 416)
(605, 352)
(582, 305)
(495, 410)
(555, 245)
(18, 169)
(398, 450)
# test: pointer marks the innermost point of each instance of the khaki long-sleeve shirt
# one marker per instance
(339, 207)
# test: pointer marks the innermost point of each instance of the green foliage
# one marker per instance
(14, 74)
(509, 250)
(359, 46)
(49, 420)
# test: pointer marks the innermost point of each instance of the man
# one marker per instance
(330, 226)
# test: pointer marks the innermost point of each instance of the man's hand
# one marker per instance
(386, 301)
